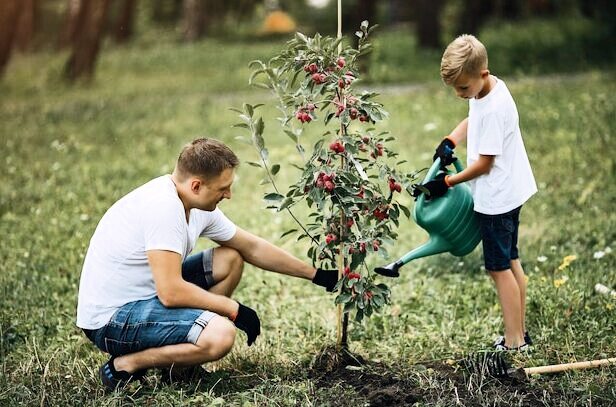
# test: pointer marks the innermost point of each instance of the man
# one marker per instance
(144, 301)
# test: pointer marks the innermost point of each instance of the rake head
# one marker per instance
(493, 364)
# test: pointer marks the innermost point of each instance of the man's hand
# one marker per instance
(326, 278)
(444, 151)
(436, 188)
(248, 321)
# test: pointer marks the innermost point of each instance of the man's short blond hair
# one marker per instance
(465, 54)
(206, 158)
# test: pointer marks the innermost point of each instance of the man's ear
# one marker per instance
(195, 185)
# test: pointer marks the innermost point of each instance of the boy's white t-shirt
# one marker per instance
(116, 269)
(493, 129)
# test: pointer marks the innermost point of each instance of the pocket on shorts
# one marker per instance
(117, 348)
(507, 223)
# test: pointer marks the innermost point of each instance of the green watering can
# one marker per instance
(450, 221)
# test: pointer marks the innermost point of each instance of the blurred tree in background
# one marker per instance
(82, 26)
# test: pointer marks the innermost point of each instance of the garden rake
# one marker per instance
(495, 364)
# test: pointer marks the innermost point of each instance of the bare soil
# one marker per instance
(382, 385)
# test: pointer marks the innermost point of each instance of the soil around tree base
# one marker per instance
(422, 384)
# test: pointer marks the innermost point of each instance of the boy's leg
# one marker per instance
(499, 239)
(509, 298)
(518, 273)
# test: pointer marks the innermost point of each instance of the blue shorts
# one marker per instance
(499, 234)
(145, 324)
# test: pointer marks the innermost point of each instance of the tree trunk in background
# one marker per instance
(166, 11)
(193, 20)
(86, 43)
(428, 23)
(71, 22)
(124, 24)
(10, 11)
(25, 25)
(472, 16)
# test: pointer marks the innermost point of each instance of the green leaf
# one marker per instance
(260, 126)
(273, 196)
(275, 169)
(288, 232)
(406, 211)
(291, 135)
(242, 125)
(254, 164)
(286, 203)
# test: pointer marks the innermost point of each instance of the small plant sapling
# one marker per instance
(346, 180)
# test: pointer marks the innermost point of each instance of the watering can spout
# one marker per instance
(434, 245)
(449, 220)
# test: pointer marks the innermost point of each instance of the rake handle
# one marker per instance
(569, 366)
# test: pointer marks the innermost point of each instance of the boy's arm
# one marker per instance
(479, 167)
(445, 148)
(459, 133)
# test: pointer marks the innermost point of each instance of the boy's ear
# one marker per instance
(484, 73)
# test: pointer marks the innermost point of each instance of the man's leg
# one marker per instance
(227, 269)
(518, 273)
(216, 270)
(215, 341)
(509, 297)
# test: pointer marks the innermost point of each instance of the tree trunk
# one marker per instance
(71, 22)
(86, 43)
(25, 25)
(123, 27)
(428, 23)
(193, 20)
(166, 11)
(474, 13)
(9, 17)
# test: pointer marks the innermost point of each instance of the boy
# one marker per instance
(498, 171)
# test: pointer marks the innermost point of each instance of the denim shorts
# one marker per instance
(499, 234)
(145, 324)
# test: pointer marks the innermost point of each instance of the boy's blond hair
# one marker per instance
(465, 54)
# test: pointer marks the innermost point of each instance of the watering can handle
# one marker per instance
(436, 166)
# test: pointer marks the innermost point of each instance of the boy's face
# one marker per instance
(469, 86)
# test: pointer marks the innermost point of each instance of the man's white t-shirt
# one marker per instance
(116, 269)
(493, 129)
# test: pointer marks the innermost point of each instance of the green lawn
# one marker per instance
(69, 153)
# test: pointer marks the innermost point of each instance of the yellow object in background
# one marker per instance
(278, 22)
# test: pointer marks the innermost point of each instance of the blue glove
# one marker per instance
(444, 151)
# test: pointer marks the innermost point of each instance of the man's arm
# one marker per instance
(174, 292)
(261, 253)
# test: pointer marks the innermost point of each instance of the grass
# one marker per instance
(69, 152)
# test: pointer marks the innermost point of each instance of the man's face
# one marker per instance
(469, 86)
(214, 190)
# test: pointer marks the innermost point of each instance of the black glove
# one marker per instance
(326, 278)
(436, 188)
(248, 321)
(444, 151)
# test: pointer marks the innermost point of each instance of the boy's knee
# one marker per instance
(216, 339)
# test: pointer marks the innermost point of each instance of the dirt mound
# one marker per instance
(371, 380)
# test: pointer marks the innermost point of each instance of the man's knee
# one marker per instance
(216, 339)
(226, 257)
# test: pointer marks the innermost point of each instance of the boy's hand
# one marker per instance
(444, 151)
(326, 278)
(435, 188)
(248, 321)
